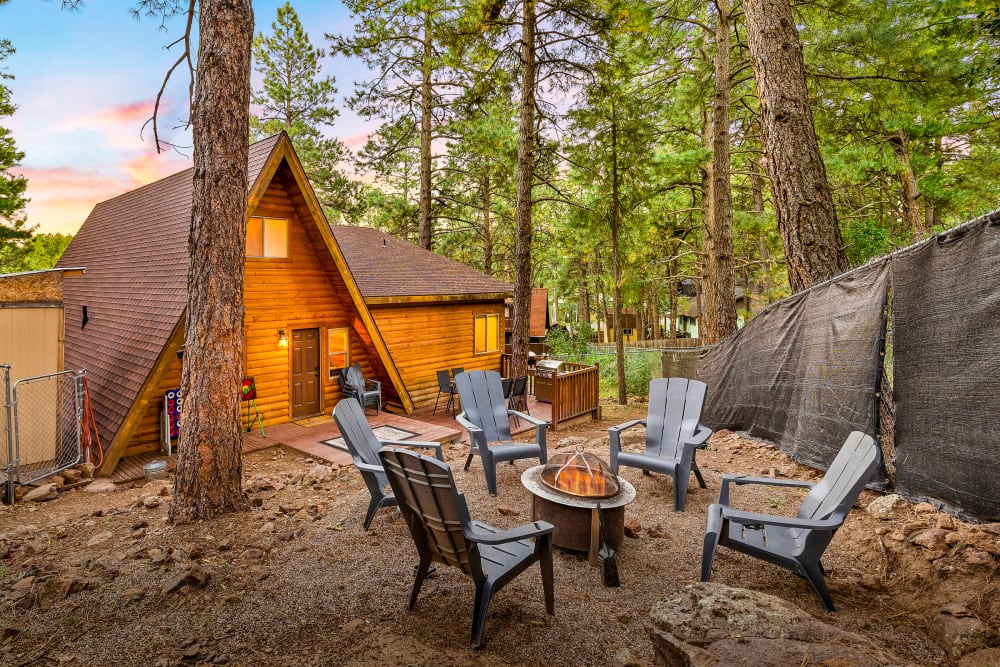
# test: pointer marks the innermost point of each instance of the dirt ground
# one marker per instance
(103, 579)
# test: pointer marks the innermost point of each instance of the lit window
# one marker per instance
(487, 333)
(337, 350)
(267, 237)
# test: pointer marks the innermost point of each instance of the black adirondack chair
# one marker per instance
(674, 432)
(443, 532)
(487, 419)
(364, 446)
(796, 543)
(355, 385)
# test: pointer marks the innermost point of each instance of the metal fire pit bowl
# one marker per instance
(576, 521)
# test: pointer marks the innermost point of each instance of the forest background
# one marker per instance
(625, 163)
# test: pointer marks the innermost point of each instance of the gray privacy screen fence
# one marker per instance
(805, 372)
(946, 313)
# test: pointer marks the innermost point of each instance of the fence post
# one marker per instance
(10, 433)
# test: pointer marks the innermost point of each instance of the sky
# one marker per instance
(85, 83)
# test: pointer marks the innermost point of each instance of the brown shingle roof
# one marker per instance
(135, 251)
(385, 267)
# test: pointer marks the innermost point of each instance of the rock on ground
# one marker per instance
(712, 624)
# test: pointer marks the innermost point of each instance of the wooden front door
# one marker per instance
(305, 372)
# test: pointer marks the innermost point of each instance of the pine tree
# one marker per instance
(297, 99)
(13, 226)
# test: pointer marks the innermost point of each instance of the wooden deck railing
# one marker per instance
(575, 392)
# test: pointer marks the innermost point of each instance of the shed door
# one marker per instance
(305, 372)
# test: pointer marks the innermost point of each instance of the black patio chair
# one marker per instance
(445, 386)
(438, 519)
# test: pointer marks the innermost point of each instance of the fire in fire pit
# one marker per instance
(580, 474)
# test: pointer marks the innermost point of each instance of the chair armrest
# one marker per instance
(748, 518)
(764, 481)
(373, 384)
(464, 422)
(411, 443)
(627, 425)
(528, 418)
(615, 432)
(535, 529)
(700, 436)
(368, 467)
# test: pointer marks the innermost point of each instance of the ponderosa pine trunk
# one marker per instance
(424, 207)
(614, 222)
(718, 320)
(803, 203)
(208, 479)
(525, 178)
(908, 186)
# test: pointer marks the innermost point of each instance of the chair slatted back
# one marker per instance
(836, 493)
(357, 432)
(433, 508)
(675, 406)
(481, 393)
(353, 376)
(444, 381)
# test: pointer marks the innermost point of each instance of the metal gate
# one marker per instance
(41, 425)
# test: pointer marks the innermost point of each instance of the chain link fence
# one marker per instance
(40, 426)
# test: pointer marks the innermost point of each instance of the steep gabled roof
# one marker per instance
(390, 270)
(123, 311)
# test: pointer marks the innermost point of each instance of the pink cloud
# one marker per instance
(150, 167)
(130, 112)
(356, 141)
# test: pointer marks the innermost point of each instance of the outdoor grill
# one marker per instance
(545, 371)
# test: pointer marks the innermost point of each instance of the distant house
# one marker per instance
(305, 316)
(538, 324)
(432, 312)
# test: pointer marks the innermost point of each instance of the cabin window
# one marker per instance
(487, 333)
(267, 237)
(338, 353)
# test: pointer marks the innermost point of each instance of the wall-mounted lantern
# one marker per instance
(282, 338)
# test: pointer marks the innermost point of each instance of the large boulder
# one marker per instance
(706, 624)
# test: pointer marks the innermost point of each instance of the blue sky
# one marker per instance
(84, 84)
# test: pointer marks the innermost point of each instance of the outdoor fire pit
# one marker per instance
(567, 492)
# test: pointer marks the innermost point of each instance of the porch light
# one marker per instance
(282, 338)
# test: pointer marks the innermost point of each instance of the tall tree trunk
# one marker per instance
(614, 221)
(487, 226)
(208, 480)
(583, 295)
(424, 209)
(807, 221)
(719, 317)
(525, 179)
(908, 184)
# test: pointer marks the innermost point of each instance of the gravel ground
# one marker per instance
(296, 581)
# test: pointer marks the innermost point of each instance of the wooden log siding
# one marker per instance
(428, 337)
(575, 392)
(303, 291)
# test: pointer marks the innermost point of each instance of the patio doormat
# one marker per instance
(314, 421)
(381, 432)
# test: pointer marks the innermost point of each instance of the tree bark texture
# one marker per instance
(525, 178)
(807, 221)
(487, 194)
(908, 185)
(424, 208)
(208, 480)
(718, 320)
(582, 293)
(614, 221)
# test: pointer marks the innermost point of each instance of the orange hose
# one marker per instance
(89, 436)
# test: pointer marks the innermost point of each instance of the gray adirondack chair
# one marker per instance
(442, 530)
(364, 446)
(354, 384)
(796, 543)
(486, 417)
(674, 432)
